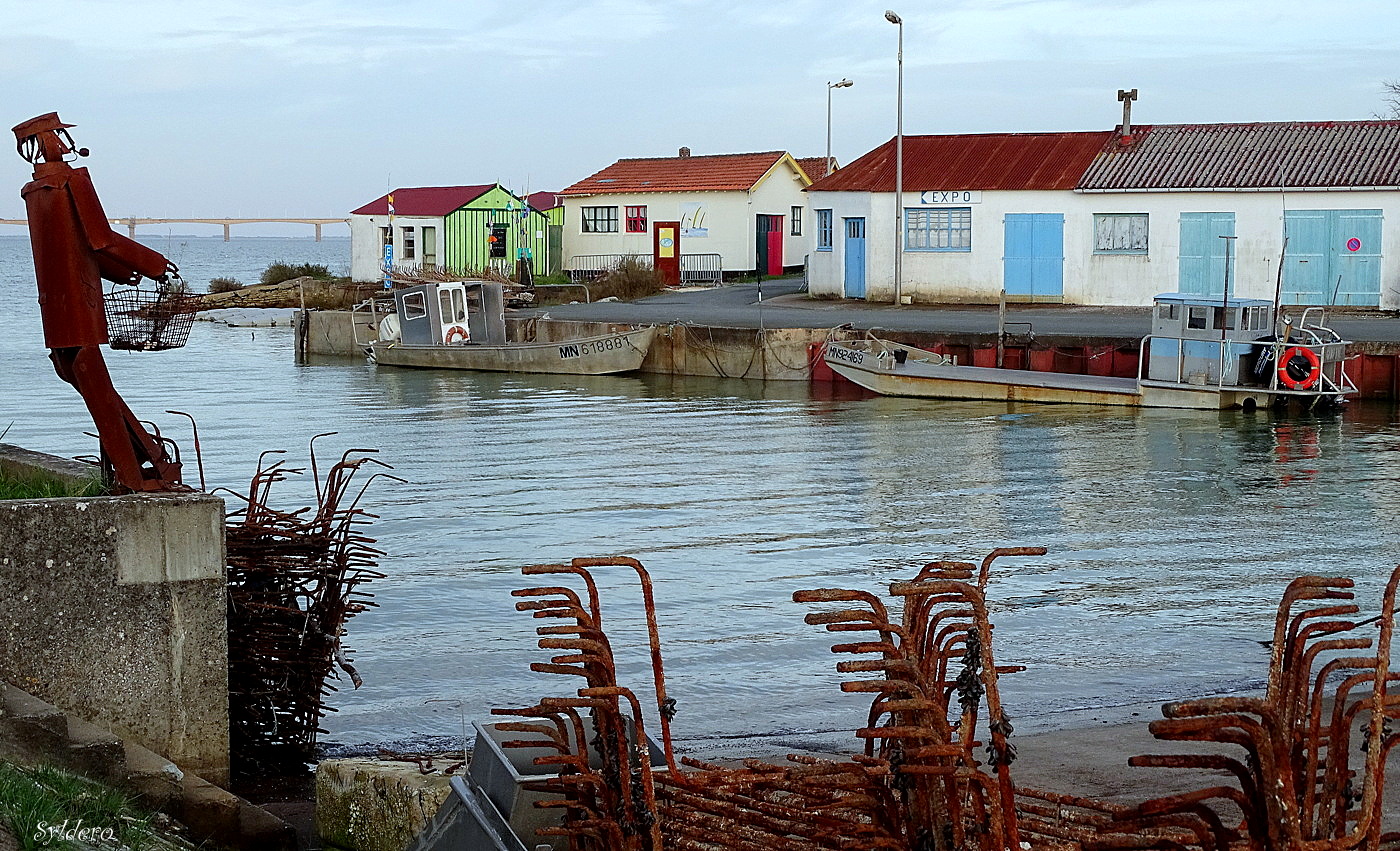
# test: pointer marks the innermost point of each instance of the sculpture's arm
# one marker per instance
(121, 260)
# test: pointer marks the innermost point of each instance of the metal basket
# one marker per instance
(148, 320)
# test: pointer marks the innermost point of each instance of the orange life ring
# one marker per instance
(1289, 367)
(457, 331)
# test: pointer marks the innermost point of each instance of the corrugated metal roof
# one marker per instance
(544, 200)
(974, 161)
(1294, 154)
(425, 200)
(716, 172)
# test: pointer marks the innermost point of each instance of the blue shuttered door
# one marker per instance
(855, 258)
(1033, 255)
(1201, 259)
(1320, 266)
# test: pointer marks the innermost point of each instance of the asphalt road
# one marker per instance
(738, 306)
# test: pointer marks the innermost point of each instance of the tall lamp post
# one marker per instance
(898, 162)
(844, 83)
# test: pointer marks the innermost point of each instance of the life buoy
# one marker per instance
(1299, 368)
(455, 332)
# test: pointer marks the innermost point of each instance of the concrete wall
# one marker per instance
(114, 609)
(730, 218)
(1089, 278)
(777, 354)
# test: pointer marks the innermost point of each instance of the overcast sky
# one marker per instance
(261, 108)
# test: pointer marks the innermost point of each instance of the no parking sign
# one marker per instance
(1353, 244)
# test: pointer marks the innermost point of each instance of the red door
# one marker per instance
(666, 251)
(770, 244)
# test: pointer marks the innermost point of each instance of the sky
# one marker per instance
(258, 108)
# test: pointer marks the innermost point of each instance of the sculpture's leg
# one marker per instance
(138, 460)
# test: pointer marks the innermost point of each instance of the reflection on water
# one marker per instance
(1171, 533)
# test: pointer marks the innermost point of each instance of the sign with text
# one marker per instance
(951, 196)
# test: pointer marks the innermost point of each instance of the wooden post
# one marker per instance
(1001, 331)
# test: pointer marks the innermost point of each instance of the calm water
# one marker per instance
(1170, 533)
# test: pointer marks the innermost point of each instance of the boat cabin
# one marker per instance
(1199, 339)
(451, 313)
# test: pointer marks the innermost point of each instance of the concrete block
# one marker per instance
(375, 805)
(96, 752)
(115, 611)
(151, 776)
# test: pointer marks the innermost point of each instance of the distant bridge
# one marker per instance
(131, 222)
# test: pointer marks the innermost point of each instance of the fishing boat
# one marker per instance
(461, 325)
(1204, 352)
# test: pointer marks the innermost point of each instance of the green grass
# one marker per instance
(32, 798)
(46, 488)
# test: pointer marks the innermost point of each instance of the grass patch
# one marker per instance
(224, 285)
(633, 278)
(279, 272)
(31, 799)
(43, 487)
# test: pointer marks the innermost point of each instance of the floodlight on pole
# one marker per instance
(898, 162)
(841, 84)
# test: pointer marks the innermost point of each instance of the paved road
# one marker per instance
(738, 306)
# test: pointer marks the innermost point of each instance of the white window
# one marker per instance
(599, 219)
(408, 245)
(1120, 233)
(941, 229)
(796, 221)
(823, 230)
(413, 306)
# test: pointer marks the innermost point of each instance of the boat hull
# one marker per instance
(604, 354)
(926, 375)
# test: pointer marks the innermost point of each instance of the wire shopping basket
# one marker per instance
(148, 320)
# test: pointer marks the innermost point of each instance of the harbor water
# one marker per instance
(1170, 533)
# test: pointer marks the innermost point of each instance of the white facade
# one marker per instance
(367, 245)
(729, 221)
(977, 275)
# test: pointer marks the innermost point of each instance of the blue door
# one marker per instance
(1201, 258)
(855, 258)
(1332, 257)
(1034, 256)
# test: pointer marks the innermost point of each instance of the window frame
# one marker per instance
(1146, 233)
(635, 214)
(409, 243)
(956, 221)
(796, 221)
(589, 219)
(825, 233)
(414, 307)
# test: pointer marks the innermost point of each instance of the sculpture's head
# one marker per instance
(45, 138)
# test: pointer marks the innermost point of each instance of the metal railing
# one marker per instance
(696, 269)
(702, 270)
(1324, 384)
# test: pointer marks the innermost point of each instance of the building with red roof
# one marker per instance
(742, 211)
(465, 229)
(1114, 217)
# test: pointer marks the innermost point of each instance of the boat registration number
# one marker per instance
(592, 347)
(847, 355)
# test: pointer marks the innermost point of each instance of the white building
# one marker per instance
(1103, 218)
(749, 209)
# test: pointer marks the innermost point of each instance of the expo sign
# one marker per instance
(954, 196)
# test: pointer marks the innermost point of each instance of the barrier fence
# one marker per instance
(696, 269)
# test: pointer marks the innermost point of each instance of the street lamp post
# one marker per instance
(898, 162)
(844, 83)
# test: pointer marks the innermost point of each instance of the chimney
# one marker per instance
(1125, 137)
(685, 152)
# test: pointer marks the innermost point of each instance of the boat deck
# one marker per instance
(1021, 377)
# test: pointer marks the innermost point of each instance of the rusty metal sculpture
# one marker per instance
(294, 581)
(922, 782)
(75, 248)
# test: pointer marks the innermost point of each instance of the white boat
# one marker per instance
(1203, 353)
(461, 325)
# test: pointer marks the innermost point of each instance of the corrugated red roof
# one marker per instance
(815, 167)
(425, 200)
(713, 173)
(1250, 156)
(973, 161)
(542, 201)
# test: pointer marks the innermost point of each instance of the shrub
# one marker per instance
(633, 278)
(224, 285)
(279, 272)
